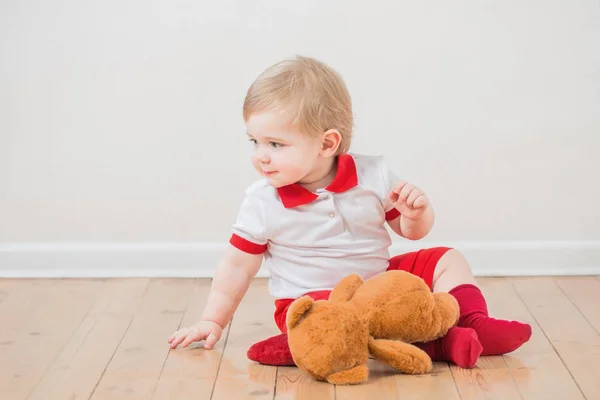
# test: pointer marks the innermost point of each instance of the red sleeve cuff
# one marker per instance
(392, 214)
(247, 246)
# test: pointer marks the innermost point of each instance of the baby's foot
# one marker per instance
(272, 351)
(460, 346)
(498, 336)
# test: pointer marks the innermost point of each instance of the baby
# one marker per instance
(319, 214)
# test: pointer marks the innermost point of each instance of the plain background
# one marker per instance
(121, 122)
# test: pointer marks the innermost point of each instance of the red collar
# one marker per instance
(345, 178)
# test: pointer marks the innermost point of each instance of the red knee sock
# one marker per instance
(460, 346)
(272, 351)
(497, 336)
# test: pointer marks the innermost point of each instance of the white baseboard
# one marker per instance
(107, 260)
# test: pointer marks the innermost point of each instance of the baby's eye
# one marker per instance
(276, 145)
(253, 141)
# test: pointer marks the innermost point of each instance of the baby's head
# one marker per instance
(298, 115)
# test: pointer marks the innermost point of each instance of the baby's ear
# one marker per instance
(344, 290)
(298, 308)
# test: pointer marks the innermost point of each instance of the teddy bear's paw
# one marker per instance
(402, 356)
(352, 376)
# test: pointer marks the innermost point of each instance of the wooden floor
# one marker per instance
(107, 339)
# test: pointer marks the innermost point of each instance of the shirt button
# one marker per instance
(332, 214)
(325, 197)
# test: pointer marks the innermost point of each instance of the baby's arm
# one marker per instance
(230, 283)
(413, 229)
(416, 213)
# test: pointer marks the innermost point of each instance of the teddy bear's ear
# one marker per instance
(298, 308)
(344, 290)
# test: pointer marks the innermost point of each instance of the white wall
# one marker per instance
(121, 129)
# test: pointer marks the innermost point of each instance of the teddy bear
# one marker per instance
(332, 339)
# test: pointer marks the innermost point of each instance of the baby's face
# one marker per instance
(281, 153)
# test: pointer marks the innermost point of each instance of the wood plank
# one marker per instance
(490, 379)
(75, 372)
(439, 384)
(584, 293)
(7, 286)
(536, 368)
(21, 302)
(60, 307)
(69, 369)
(191, 372)
(136, 365)
(3, 292)
(381, 384)
(575, 340)
(121, 297)
(295, 384)
(239, 378)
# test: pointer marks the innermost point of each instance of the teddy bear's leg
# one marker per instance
(402, 356)
(351, 376)
(344, 290)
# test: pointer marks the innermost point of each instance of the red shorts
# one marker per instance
(421, 263)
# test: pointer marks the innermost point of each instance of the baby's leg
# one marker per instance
(453, 275)
(272, 351)
(451, 271)
(460, 345)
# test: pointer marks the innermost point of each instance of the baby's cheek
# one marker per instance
(292, 165)
(298, 172)
(283, 163)
(255, 165)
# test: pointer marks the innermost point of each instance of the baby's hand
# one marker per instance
(409, 200)
(204, 330)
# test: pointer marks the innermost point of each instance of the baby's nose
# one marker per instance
(263, 156)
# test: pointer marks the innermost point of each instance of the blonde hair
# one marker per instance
(313, 93)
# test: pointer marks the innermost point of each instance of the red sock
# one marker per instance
(460, 346)
(272, 351)
(497, 336)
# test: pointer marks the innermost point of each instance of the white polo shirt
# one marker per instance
(312, 240)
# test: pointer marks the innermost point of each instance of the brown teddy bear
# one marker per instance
(332, 339)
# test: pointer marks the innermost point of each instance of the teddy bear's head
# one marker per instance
(326, 336)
